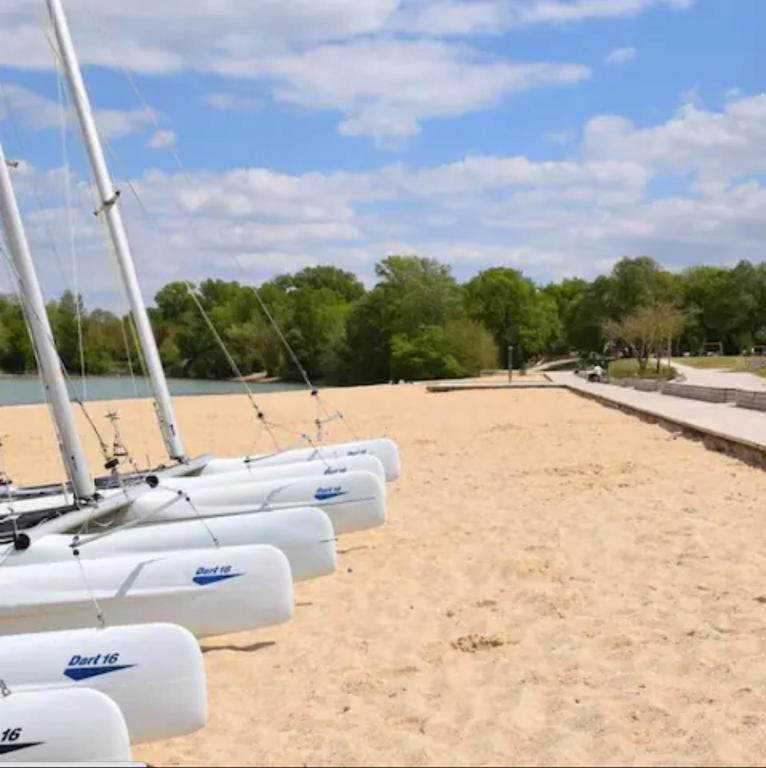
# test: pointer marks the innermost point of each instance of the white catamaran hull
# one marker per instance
(66, 726)
(354, 501)
(383, 449)
(304, 534)
(210, 592)
(153, 672)
(252, 471)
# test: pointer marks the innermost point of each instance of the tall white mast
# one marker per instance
(37, 321)
(110, 209)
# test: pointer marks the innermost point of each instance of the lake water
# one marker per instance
(24, 390)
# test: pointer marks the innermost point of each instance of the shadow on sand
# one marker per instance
(252, 648)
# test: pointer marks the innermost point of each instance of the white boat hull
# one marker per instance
(153, 672)
(66, 726)
(210, 592)
(354, 501)
(246, 471)
(383, 449)
(304, 534)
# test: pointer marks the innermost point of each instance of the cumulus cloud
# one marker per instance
(714, 145)
(162, 139)
(384, 66)
(550, 218)
(387, 86)
(621, 55)
(39, 112)
(457, 17)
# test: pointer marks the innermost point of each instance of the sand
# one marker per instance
(559, 583)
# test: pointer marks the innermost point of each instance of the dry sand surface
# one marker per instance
(559, 583)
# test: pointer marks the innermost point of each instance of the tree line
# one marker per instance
(417, 322)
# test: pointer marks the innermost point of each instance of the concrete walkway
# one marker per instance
(462, 386)
(724, 421)
(719, 379)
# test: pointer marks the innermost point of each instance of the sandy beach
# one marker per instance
(559, 583)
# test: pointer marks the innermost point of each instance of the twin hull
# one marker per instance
(383, 449)
(153, 672)
(354, 501)
(66, 726)
(305, 536)
(207, 591)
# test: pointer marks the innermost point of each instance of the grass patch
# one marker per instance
(627, 368)
(729, 363)
(719, 362)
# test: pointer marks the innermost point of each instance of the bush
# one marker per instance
(424, 356)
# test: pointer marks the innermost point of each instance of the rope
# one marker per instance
(202, 520)
(76, 542)
(91, 594)
(73, 250)
(35, 190)
(321, 409)
(129, 356)
(15, 282)
(232, 363)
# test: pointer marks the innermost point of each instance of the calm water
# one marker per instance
(22, 390)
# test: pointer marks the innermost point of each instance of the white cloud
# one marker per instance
(714, 145)
(383, 65)
(551, 218)
(386, 87)
(457, 17)
(162, 139)
(226, 101)
(39, 112)
(621, 55)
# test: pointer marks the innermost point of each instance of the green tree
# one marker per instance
(513, 309)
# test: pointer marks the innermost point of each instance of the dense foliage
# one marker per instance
(417, 321)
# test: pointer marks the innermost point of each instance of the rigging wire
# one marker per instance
(232, 363)
(98, 207)
(35, 190)
(323, 415)
(63, 104)
(15, 282)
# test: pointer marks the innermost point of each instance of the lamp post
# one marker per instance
(508, 341)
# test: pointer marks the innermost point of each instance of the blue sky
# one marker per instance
(554, 136)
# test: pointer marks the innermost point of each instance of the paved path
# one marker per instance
(721, 379)
(723, 420)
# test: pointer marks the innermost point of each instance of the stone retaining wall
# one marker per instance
(754, 400)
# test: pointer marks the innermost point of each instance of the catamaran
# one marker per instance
(341, 454)
(342, 480)
(62, 726)
(153, 672)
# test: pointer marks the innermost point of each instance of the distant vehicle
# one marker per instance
(712, 349)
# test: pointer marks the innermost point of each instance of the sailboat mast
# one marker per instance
(39, 326)
(110, 210)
